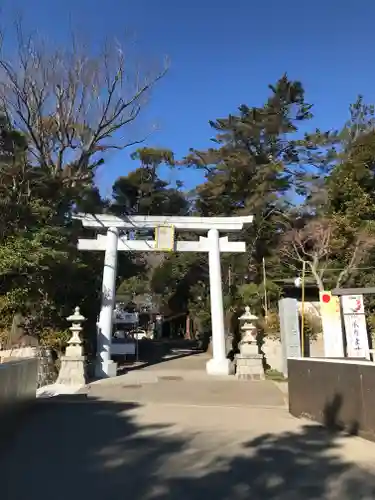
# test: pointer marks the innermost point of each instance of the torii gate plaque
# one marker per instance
(113, 242)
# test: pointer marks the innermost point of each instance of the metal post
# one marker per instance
(303, 310)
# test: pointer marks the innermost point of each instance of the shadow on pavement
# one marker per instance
(162, 360)
(77, 448)
(156, 352)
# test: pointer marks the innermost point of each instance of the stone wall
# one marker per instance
(273, 354)
(18, 352)
(47, 372)
(18, 380)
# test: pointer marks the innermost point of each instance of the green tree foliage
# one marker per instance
(250, 166)
(42, 276)
(311, 196)
(251, 170)
(142, 191)
(333, 230)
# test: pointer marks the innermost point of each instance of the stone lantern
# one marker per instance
(248, 332)
(75, 343)
(72, 369)
(249, 364)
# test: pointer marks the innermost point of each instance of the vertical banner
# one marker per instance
(355, 326)
(331, 325)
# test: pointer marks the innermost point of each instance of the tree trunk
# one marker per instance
(318, 279)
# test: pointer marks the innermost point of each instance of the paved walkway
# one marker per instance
(178, 440)
(171, 382)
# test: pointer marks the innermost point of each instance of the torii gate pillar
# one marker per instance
(105, 367)
(112, 243)
(219, 364)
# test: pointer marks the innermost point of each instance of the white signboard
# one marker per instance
(123, 349)
(355, 326)
(125, 317)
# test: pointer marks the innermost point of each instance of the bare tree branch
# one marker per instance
(72, 105)
(318, 241)
(309, 241)
(363, 243)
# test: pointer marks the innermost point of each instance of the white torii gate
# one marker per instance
(112, 242)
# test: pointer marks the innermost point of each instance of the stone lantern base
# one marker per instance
(249, 365)
(72, 371)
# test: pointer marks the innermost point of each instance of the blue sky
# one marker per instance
(224, 54)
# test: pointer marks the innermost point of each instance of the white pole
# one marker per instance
(106, 368)
(265, 289)
(219, 364)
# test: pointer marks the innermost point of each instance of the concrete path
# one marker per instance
(212, 393)
(181, 440)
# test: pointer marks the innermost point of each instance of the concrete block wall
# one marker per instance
(338, 393)
(18, 383)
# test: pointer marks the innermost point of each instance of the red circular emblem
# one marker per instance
(326, 298)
